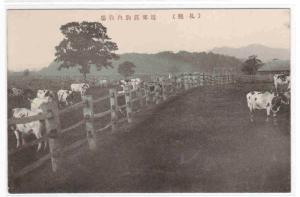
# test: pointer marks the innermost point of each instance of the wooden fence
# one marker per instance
(150, 93)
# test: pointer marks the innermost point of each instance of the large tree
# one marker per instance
(85, 44)
(126, 69)
(251, 65)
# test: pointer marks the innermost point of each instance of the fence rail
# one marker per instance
(150, 93)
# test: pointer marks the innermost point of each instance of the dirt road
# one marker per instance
(202, 141)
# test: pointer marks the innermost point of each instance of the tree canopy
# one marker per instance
(126, 69)
(85, 44)
(251, 65)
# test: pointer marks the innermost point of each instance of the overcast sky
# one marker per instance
(33, 34)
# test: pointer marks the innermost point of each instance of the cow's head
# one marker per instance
(85, 86)
(70, 97)
(276, 103)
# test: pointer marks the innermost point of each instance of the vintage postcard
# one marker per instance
(149, 100)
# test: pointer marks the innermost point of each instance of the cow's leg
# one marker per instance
(251, 116)
(38, 135)
(45, 144)
(268, 113)
(251, 113)
(275, 118)
(17, 134)
(23, 139)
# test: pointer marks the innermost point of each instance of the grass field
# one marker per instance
(201, 141)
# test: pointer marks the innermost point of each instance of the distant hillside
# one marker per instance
(159, 63)
(264, 53)
(276, 65)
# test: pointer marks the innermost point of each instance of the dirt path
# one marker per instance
(200, 142)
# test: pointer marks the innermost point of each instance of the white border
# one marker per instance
(123, 4)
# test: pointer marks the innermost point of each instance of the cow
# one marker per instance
(133, 83)
(80, 87)
(271, 102)
(178, 82)
(45, 93)
(281, 80)
(136, 83)
(34, 127)
(36, 103)
(65, 97)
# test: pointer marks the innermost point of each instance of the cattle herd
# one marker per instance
(269, 100)
(30, 102)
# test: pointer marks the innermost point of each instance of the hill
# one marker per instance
(263, 52)
(159, 63)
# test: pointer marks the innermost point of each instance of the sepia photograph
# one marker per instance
(149, 100)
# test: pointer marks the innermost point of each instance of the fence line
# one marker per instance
(150, 93)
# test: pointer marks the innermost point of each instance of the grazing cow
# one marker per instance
(263, 100)
(34, 127)
(65, 97)
(80, 87)
(281, 80)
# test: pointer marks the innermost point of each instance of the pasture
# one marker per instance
(199, 141)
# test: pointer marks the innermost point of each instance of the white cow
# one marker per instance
(36, 103)
(45, 93)
(263, 100)
(80, 87)
(281, 80)
(65, 97)
(134, 83)
(34, 127)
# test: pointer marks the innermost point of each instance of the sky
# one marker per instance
(33, 34)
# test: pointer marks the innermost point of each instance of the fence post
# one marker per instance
(201, 79)
(147, 92)
(140, 96)
(163, 86)
(128, 103)
(228, 79)
(158, 89)
(113, 108)
(53, 129)
(88, 114)
(185, 82)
